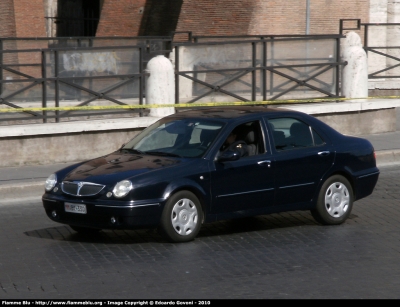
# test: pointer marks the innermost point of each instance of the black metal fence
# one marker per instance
(99, 72)
(380, 42)
(254, 68)
(43, 73)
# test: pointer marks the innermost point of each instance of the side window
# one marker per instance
(247, 138)
(290, 133)
(318, 141)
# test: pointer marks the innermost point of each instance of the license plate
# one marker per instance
(75, 208)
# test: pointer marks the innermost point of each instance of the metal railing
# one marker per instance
(64, 73)
(61, 73)
(251, 68)
(380, 42)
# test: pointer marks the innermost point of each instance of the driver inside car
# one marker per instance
(233, 143)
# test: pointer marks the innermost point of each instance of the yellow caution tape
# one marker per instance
(189, 105)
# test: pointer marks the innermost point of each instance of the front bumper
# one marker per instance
(103, 214)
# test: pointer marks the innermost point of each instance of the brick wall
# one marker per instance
(22, 18)
(210, 17)
(29, 18)
(25, 18)
(30, 22)
(277, 17)
(7, 20)
(160, 17)
(238, 17)
(121, 18)
(325, 15)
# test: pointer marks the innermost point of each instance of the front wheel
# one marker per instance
(335, 201)
(182, 217)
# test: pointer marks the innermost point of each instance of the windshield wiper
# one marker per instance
(134, 150)
(161, 153)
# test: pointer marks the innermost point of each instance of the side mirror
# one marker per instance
(229, 155)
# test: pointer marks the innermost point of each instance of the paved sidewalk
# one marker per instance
(387, 147)
(27, 182)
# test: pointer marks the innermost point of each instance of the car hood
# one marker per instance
(119, 166)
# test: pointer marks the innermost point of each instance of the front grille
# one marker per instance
(81, 188)
(69, 188)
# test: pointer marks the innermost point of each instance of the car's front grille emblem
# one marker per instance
(81, 188)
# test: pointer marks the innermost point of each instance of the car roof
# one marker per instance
(230, 112)
(234, 113)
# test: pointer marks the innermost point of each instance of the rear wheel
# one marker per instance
(182, 217)
(335, 201)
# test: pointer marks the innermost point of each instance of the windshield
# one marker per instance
(188, 138)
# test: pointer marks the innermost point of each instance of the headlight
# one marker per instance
(50, 182)
(122, 188)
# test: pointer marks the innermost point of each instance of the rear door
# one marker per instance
(301, 158)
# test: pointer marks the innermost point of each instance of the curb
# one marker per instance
(385, 157)
(19, 191)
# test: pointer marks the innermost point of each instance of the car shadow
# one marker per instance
(258, 223)
(65, 233)
(221, 228)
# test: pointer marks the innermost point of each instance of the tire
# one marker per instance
(181, 218)
(85, 230)
(335, 201)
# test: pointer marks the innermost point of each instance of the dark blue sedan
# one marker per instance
(206, 165)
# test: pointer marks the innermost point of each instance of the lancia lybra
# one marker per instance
(204, 165)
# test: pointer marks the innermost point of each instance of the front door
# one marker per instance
(247, 183)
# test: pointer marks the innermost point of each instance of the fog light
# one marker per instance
(109, 194)
(54, 213)
(113, 220)
(55, 189)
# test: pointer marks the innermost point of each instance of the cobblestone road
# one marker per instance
(276, 256)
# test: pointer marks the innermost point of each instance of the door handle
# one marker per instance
(264, 162)
(324, 153)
